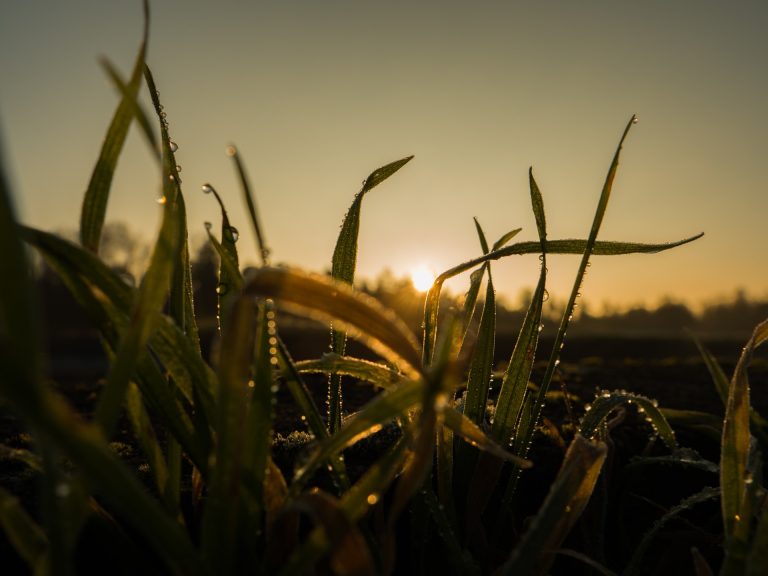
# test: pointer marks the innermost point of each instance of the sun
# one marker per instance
(422, 278)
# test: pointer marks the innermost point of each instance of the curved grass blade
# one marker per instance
(374, 373)
(343, 267)
(323, 298)
(27, 538)
(154, 287)
(736, 436)
(635, 564)
(565, 502)
(97, 195)
(230, 279)
(384, 408)
(22, 455)
(606, 402)
(504, 240)
(251, 204)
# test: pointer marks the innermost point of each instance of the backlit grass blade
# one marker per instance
(589, 248)
(141, 116)
(320, 297)
(635, 565)
(504, 240)
(251, 204)
(461, 425)
(27, 538)
(719, 379)
(518, 372)
(225, 506)
(258, 435)
(565, 502)
(230, 280)
(97, 195)
(343, 267)
(154, 287)
(736, 436)
(374, 373)
(22, 455)
(385, 407)
(607, 402)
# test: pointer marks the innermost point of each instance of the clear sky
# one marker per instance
(317, 94)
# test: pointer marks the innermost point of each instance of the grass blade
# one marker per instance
(154, 288)
(606, 402)
(97, 195)
(567, 498)
(384, 408)
(323, 298)
(374, 373)
(736, 436)
(474, 435)
(251, 204)
(343, 267)
(635, 566)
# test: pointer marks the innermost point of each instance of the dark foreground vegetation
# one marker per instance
(194, 444)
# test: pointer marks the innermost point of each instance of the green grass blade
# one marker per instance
(719, 379)
(736, 436)
(384, 408)
(474, 435)
(324, 299)
(481, 365)
(518, 372)
(343, 267)
(97, 195)
(223, 509)
(570, 246)
(635, 564)
(374, 373)
(155, 285)
(230, 279)
(250, 202)
(565, 502)
(27, 538)
(607, 402)
(589, 249)
(141, 116)
(504, 240)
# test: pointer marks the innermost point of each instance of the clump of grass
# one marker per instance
(218, 503)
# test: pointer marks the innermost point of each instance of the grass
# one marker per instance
(450, 492)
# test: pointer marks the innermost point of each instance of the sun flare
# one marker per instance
(422, 278)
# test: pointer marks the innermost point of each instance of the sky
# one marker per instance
(315, 95)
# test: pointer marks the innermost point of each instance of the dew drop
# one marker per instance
(208, 226)
(221, 289)
(207, 188)
(541, 327)
(546, 296)
(173, 146)
(635, 120)
(163, 115)
(234, 233)
(63, 490)
(178, 167)
(231, 151)
(251, 384)
(162, 200)
(273, 361)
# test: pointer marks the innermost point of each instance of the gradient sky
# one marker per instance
(317, 94)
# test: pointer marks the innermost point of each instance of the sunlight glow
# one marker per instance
(422, 278)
